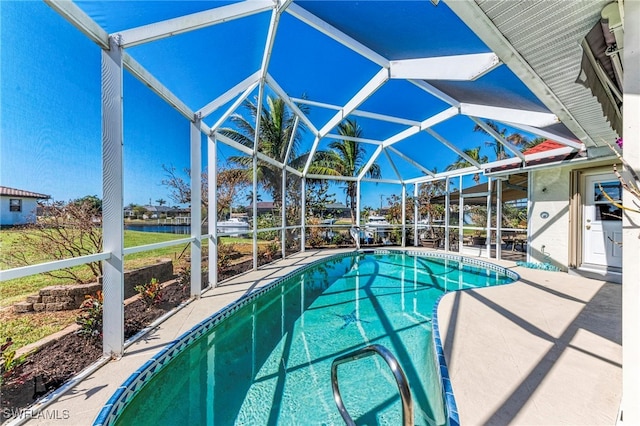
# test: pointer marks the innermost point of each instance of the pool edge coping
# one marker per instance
(130, 387)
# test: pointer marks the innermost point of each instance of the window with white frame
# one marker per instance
(15, 205)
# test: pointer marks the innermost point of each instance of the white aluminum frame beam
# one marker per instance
(453, 147)
(76, 16)
(412, 162)
(442, 175)
(113, 204)
(456, 67)
(296, 122)
(329, 177)
(354, 139)
(433, 91)
(547, 134)
(233, 144)
(498, 137)
(196, 204)
(512, 115)
(271, 37)
(381, 77)
(212, 213)
(194, 21)
(337, 35)
(404, 214)
(244, 85)
(359, 113)
(475, 18)
(393, 181)
(393, 165)
(158, 88)
(25, 271)
(273, 84)
(630, 220)
(423, 125)
(233, 107)
(372, 160)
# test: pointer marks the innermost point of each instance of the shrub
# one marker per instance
(269, 250)
(90, 320)
(315, 236)
(225, 254)
(150, 293)
(184, 279)
(267, 220)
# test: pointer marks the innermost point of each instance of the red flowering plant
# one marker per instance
(150, 293)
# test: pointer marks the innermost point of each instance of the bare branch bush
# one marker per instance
(65, 231)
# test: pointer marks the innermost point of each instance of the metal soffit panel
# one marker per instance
(546, 34)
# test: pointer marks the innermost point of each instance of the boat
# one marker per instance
(377, 227)
(234, 227)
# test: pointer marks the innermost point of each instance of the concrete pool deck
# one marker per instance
(546, 350)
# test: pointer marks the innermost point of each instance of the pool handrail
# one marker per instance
(392, 362)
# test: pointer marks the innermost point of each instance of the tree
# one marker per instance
(461, 162)
(92, 200)
(249, 197)
(230, 182)
(426, 193)
(347, 158)
(276, 131)
(532, 143)
(317, 197)
(66, 231)
(181, 188)
(139, 211)
(161, 202)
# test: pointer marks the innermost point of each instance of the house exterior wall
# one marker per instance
(23, 217)
(549, 216)
(550, 192)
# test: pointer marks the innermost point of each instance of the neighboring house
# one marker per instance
(263, 207)
(18, 207)
(156, 212)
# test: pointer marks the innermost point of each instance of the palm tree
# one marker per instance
(249, 197)
(347, 158)
(276, 128)
(161, 202)
(461, 162)
(516, 139)
(531, 144)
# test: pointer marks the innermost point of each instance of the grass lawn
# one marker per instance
(16, 290)
(28, 328)
(13, 291)
(25, 329)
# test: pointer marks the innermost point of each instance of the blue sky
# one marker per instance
(50, 98)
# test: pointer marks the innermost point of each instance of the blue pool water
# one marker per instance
(269, 362)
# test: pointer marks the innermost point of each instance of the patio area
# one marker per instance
(545, 350)
(452, 116)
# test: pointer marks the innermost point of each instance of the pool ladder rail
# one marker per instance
(392, 362)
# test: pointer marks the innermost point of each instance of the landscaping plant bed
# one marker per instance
(54, 364)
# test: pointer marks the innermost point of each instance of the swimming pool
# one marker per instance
(266, 359)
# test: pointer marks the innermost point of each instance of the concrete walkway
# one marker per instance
(543, 351)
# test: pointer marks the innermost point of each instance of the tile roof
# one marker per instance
(544, 146)
(12, 192)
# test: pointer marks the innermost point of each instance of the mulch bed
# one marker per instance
(53, 365)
